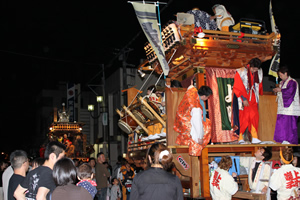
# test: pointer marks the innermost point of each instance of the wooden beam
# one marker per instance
(135, 119)
(153, 111)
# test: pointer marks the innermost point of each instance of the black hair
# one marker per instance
(17, 158)
(284, 69)
(205, 91)
(255, 62)
(38, 161)
(176, 84)
(154, 153)
(54, 147)
(99, 154)
(152, 87)
(84, 171)
(267, 154)
(64, 172)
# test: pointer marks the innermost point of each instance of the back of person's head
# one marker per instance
(17, 158)
(152, 87)
(54, 147)
(286, 155)
(267, 154)
(159, 154)
(176, 84)
(38, 162)
(284, 69)
(205, 90)
(225, 163)
(84, 171)
(255, 62)
(64, 172)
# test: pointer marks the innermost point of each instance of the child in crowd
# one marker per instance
(222, 184)
(116, 193)
(259, 170)
(85, 176)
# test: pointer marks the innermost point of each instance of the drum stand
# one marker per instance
(135, 119)
(163, 123)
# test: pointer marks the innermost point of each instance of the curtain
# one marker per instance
(219, 106)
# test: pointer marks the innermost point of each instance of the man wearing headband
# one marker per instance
(286, 179)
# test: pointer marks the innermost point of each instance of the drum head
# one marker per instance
(139, 116)
(147, 112)
(124, 127)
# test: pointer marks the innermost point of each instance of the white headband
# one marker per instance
(163, 153)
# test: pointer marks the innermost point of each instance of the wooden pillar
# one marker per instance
(195, 176)
(204, 171)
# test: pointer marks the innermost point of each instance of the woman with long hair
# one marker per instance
(156, 182)
(64, 175)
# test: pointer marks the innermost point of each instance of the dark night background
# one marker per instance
(43, 42)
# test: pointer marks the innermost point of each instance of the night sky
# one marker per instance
(43, 42)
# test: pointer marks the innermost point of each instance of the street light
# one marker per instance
(101, 111)
(91, 107)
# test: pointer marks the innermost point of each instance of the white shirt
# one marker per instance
(197, 131)
(285, 181)
(5, 180)
(222, 185)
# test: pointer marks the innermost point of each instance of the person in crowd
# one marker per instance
(191, 121)
(115, 193)
(39, 182)
(247, 87)
(20, 164)
(3, 166)
(76, 162)
(222, 184)
(70, 149)
(156, 182)
(259, 170)
(128, 175)
(64, 175)
(288, 108)
(85, 176)
(37, 162)
(78, 146)
(296, 160)
(5, 180)
(102, 176)
(42, 150)
(223, 17)
(285, 180)
(92, 163)
(116, 167)
(120, 177)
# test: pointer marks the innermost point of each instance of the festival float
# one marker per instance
(69, 133)
(202, 60)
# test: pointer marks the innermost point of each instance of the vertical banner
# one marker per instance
(274, 66)
(225, 95)
(71, 100)
(146, 14)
